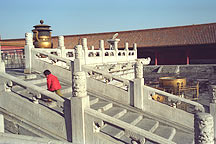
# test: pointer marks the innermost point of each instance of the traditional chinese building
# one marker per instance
(193, 44)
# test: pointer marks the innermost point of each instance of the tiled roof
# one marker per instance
(11, 48)
(160, 37)
(171, 36)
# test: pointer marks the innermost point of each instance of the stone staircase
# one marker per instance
(113, 110)
(168, 69)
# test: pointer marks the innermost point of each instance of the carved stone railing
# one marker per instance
(173, 100)
(8, 82)
(102, 55)
(96, 120)
(50, 58)
(107, 78)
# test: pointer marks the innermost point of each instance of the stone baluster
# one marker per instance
(203, 128)
(138, 69)
(101, 47)
(76, 65)
(126, 50)
(61, 46)
(85, 48)
(91, 47)
(79, 102)
(135, 46)
(135, 49)
(28, 54)
(2, 64)
(212, 92)
(138, 84)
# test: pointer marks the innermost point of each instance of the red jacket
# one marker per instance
(53, 83)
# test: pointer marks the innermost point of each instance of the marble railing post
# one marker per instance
(85, 48)
(28, 56)
(203, 128)
(127, 50)
(101, 47)
(79, 102)
(138, 84)
(135, 49)
(1, 123)
(61, 46)
(2, 64)
(212, 107)
(76, 65)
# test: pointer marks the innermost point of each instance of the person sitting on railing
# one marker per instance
(53, 84)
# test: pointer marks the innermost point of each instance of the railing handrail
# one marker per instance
(176, 98)
(107, 75)
(52, 56)
(32, 87)
(128, 127)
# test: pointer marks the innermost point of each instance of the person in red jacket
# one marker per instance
(53, 84)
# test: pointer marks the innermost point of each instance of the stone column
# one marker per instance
(212, 107)
(79, 60)
(79, 102)
(1, 123)
(101, 47)
(126, 50)
(2, 64)
(203, 128)
(135, 49)
(28, 55)
(138, 84)
(61, 46)
(85, 48)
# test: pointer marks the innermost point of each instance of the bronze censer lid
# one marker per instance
(42, 36)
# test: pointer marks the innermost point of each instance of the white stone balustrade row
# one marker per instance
(172, 98)
(108, 56)
(52, 58)
(91, 56)
(36, 91)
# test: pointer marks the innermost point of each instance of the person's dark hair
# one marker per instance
(46, 72)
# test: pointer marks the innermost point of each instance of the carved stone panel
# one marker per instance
(203, 128)
(79, 84)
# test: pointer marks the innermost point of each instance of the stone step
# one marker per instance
(93, 100)
(183, 138)
(101, 106)
(131, 118)
(38, 81)
(165, 131)
(112, 131)
(148, 124)
(116, 112)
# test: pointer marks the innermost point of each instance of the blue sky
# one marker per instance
(69, 17)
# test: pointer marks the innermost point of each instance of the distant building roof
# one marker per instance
(159, 37)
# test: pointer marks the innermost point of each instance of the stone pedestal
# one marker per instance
(28, 56)
(203, 128)
(113, 43)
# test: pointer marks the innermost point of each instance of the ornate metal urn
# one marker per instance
(42, 36)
